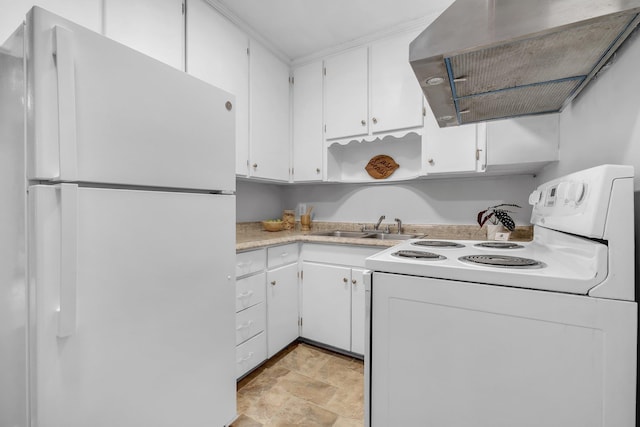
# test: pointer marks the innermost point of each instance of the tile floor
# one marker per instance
(303, 386)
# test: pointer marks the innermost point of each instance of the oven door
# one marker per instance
(447, 353)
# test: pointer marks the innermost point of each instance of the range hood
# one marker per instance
(490, 59)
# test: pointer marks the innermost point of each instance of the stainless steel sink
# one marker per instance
(390, 236)
(339, 233)
(365, 235)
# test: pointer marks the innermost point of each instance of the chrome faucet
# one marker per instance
(399, 221)
(375, 227)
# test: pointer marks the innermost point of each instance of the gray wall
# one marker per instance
(427, 201)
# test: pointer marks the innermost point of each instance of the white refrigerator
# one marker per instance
(117, 236)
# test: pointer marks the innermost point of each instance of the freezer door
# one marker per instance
(131, 308)
(101, 112)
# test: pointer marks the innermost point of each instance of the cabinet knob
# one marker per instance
(317, 170)
(273, 283)
(354, 281)
(345, 280)
(431, 162)
(363, 122)
(228, 105)
(255, 166)
(374, 120)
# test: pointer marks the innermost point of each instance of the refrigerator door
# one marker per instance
(101, 112)
(13, 272)
(131, 308)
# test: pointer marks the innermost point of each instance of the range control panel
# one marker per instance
(577, 203)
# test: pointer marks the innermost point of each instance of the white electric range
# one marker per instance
(488, 334)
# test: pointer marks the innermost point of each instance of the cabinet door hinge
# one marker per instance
(325, 128)
(247, 51)
(183, 8)
(291, 80)
(301, 274)
(478, 153)
(300, 321)
(324, 71)
(424, 111)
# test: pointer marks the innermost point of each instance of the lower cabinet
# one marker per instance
(272, 312)
(251, 334)
(326, 304)
(333, 298)
(357, 310)
(282, 303)
(266, 304)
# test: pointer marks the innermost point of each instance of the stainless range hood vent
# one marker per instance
(491, 59)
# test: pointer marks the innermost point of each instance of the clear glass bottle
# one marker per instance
(288, 219)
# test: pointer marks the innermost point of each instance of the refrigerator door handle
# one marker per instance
(67, 321)
(66, 80)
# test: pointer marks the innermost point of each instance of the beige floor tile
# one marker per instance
(244, 421)
(307, 388)
(303, 413)
(303, 386)
(348, 422)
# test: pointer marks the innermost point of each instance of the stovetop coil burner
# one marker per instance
(419, 255)
(503, 261)
(437, 244)
(499, 245)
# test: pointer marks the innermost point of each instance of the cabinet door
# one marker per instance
(523, 141)
(449, 150)
(217, 54)
(154, 27)
(346, 91)
(326, 304)
(396, 96)
(307, 122)
(357, 310)
(282, 307)
(269, 115)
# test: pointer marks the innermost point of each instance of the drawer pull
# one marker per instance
(245, 264)
(246, 294)
(245, 358)
(244, 325)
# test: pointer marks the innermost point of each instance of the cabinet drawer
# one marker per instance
(250, 354)
(250, 262)
(250, 322)
(281, 255)
(250, 291)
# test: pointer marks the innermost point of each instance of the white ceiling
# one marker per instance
(300, 28)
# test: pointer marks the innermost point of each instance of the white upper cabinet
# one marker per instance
(217, 54)
(153, 27)
(457, 149)
(346, 94)
(522, 144)
(307, 122)
(269, 146)
(396, 96)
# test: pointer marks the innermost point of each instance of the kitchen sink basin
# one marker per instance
(339, 233)
(365, 235)
(390, 236)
